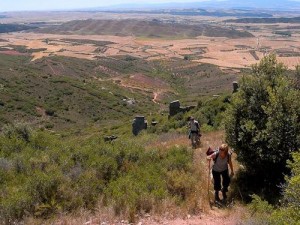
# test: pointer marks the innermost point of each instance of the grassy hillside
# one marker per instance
(48, 175)
(153, 29)
(43, 175)
(61, 92)
(6, 28)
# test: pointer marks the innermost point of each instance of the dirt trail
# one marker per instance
(213, 217)
(141, 83)
(156, 96)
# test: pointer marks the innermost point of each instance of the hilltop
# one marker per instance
(139, 28)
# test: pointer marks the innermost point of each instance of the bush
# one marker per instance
(261, 209)
(138, 190)
(289, 210)
(180, 184)
(50, 112)
(178, 159)
(19, 130)
(45, 174)
(262, 124)
(289, 213)
(14, 206)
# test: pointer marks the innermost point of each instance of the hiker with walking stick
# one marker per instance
(221, 158)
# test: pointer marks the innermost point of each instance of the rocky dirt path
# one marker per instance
(213, 217)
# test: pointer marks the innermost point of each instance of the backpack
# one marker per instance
(211, 151)
(197, 125)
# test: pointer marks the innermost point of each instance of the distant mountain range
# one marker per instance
(222, 4)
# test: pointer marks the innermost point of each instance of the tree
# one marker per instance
(289, 210)
(289, 213)
(297, 78)
(262, 123)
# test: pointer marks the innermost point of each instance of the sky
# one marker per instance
(25, 5)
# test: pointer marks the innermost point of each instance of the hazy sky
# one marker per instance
(12, 5)
(20, 5)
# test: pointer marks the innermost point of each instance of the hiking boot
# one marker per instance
(217, 198)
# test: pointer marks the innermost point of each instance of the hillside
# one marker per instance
(195, 12)
(265, 20)
(62, 92)
(150, 29)
(73, 91)
(196, 211)
(6, 28)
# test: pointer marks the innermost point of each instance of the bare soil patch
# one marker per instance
(12, 52)
(157, 87)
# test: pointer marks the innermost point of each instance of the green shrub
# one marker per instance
(262, 124)
(260, 211)
(180, 184)
(19, 130)
(11, 145)
(178, 159)
(288, 212)
(138, 190)
(13, 206)
(47, 174)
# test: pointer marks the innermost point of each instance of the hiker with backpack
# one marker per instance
(194, 131)
(221, 158)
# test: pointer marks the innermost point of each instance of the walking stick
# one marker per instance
(208, 153)
(208, 181)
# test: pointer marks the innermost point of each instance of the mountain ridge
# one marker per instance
(227, 4)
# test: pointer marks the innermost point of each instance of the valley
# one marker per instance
(86, 130)
(140, 56)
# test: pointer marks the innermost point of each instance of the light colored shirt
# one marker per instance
(220, 164)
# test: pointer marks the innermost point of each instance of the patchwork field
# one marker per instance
(223, 52)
